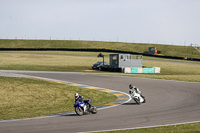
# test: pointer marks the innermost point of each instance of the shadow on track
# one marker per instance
(71, 114)
(130, 104)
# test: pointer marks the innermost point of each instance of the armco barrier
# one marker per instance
(95, 50)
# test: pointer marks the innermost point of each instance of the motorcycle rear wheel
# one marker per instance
(93, 109)
(144, 100)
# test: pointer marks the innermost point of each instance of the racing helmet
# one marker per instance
(76, 95)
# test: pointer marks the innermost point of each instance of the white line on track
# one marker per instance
(140, 127)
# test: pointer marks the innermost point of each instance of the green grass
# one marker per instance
(183, 128)
(60, 53)
(169, 60)
(41, 62)
(168, 50)
(22, 97)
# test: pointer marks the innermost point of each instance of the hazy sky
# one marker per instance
(150, 21)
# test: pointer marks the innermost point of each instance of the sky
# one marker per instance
(174, 22)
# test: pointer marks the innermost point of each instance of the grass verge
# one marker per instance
(183, 128)
(22, 97)
(83, 61)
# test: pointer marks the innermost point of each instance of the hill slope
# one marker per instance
(167, 50)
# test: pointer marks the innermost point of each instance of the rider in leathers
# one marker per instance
(80, 98)
(133, 88)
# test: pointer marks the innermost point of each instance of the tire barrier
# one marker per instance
(97, 50)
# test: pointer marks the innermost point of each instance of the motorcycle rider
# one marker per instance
(80, 98)
(133, 88)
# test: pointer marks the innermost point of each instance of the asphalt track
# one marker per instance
(168, 102)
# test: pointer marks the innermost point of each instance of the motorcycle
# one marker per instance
(138, 98)
(83, 107)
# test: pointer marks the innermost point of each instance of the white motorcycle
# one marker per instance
(138, 98)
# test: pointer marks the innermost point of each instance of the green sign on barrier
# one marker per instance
(148, 70)
(145, 70)
(134, 70)
(152, 70)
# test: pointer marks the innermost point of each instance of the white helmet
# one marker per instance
(76, 95)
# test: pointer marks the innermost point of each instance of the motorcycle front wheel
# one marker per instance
(137, 100)
(79, 111)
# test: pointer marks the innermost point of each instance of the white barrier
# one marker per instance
(157, 69)
(142, 70)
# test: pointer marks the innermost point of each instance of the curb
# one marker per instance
(121, 96)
